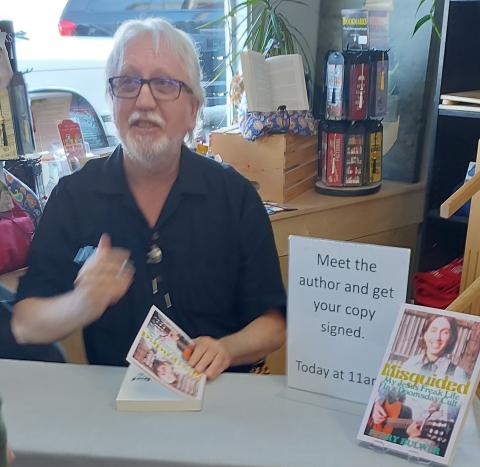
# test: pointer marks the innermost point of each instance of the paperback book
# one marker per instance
(159, 376)
(274, 82)
(425, 386)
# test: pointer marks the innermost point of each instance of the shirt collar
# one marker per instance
(441, 364)
(111, 178)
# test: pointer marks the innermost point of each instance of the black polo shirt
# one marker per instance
(219, 261)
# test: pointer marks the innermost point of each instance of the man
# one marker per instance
(171, 228)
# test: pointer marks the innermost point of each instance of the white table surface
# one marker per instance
(61, 415)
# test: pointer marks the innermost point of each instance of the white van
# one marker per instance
(57, 52)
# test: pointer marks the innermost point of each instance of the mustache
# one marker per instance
(150, 117)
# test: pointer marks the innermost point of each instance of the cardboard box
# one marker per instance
(281, 166)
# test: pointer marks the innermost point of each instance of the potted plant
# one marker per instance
(264, 28)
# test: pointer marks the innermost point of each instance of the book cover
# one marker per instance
(355, 30)
(425, 385)
(160, 351)
(274, 82)
(140, 393)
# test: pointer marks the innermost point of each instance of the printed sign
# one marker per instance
(343, 300)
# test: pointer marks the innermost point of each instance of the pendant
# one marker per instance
(155, 255)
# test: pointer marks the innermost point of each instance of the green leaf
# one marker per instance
(421, 22)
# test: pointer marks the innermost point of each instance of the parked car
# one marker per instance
(63, 46)
(101, 18)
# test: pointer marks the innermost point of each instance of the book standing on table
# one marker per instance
(159, 376)
(425, 385)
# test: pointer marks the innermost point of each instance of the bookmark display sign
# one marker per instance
(343, 300)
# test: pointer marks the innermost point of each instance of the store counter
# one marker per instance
(61, 415)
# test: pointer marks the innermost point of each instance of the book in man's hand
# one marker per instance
(159, 376)
(274, 82)
(425, 385)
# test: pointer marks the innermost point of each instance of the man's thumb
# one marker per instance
(105, 243)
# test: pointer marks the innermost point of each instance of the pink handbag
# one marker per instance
(16, 231)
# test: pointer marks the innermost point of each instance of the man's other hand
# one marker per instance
(210, 356)
(105, 277)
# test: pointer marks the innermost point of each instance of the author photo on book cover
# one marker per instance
(174, 377)
(430, 366)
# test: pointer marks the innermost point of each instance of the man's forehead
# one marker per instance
(141, 53)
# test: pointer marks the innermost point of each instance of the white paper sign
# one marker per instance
(343, 299)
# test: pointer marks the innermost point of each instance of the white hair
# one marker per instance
(161, 31)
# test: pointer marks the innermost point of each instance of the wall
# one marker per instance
(306, 19)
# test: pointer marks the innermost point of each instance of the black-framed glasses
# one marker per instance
(163, 89)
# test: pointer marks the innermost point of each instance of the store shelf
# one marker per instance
(459, 113)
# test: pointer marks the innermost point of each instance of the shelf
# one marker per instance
(459, 113)
(435, 215)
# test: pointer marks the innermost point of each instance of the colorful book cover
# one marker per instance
(425, 385)
(161, 351)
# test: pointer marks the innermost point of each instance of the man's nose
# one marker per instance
(145, 99)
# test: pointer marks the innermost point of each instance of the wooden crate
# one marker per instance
(281, 166)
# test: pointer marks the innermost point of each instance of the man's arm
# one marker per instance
(42, 320)
(256, 340)
(101, 282)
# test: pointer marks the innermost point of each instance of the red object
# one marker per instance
(359, 84)
(440, 287)
(334, 160)
(16, 230)
(67, 28)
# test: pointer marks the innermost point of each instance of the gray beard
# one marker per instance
(147, 154)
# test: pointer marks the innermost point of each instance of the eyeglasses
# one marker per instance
(162, 89)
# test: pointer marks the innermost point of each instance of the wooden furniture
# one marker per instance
(10, 279)
(281, 166)
(451, 134)
(469, 298)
